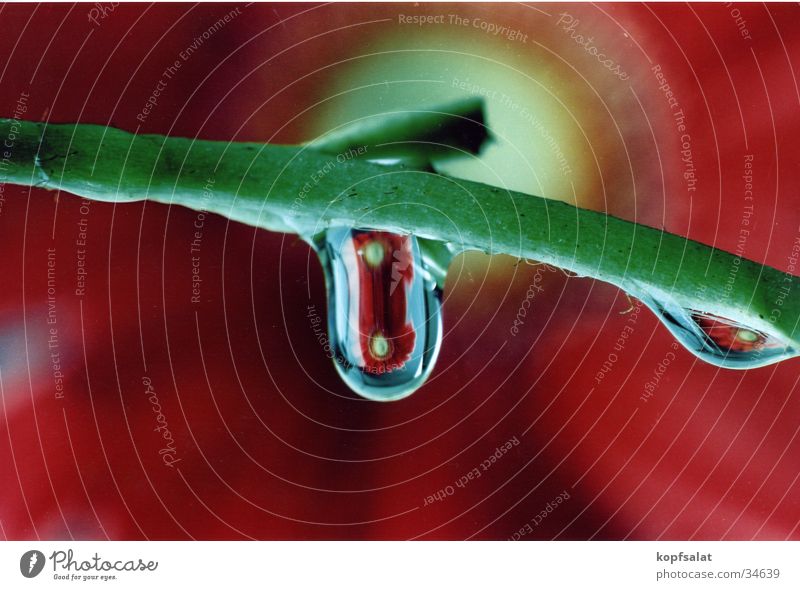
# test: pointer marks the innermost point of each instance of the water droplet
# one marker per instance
(384, 310)
(718, 340)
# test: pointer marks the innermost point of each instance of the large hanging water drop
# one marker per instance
(384, 311)
(718, 340)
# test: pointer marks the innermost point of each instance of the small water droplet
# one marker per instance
(384, 310)
(718, 340)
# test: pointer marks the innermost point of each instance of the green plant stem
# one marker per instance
(302, 190)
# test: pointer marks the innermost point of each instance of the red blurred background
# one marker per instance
(269, 443)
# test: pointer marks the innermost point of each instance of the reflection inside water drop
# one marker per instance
(384, 310)
(718, 340)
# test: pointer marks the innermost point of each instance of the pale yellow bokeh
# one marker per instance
(538, 146)
(551, 133)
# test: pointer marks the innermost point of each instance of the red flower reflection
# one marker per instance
(730, 336)
(385, 270)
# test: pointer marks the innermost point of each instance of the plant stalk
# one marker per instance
(304, 190)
